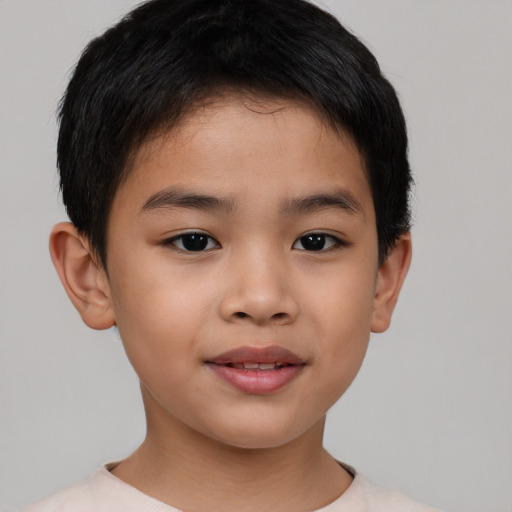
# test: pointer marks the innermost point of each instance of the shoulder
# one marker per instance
(77, 498)
(362, 496)
(384, 500)
(101, 492)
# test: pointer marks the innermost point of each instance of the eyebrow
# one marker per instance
(175, 198)
(342, 199)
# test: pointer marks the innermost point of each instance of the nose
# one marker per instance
(259, 291)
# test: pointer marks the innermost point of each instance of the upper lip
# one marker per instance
(248, 354)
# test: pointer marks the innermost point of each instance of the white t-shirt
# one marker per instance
(104, 492)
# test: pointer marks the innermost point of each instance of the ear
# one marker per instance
(390, 278)
(83, 278)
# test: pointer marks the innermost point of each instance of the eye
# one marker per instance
(317, 242)
(193, 242)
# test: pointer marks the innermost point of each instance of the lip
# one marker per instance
(257, 381)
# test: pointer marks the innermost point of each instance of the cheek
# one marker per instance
(342, 304)
(342, 311)
(158, 320)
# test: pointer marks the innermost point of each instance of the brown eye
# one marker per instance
(317, 242)
(313, 242)
(194, 242)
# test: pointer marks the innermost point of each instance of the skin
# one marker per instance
(210, 446)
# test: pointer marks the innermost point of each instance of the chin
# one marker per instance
(257, 441)
(258, 435)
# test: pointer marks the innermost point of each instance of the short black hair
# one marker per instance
(166, 56)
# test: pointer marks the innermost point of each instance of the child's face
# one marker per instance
(281, 252)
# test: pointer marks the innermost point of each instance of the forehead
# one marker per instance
(230, 117)
(239, 143)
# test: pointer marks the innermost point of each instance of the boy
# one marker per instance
(237, 180)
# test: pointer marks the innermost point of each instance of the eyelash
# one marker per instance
(335, 242)
(200, 238)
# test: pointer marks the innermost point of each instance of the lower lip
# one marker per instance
(257, 382)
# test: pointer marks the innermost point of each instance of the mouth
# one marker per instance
(257, 370)
(258, 366)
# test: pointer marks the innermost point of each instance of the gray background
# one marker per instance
(430, 413)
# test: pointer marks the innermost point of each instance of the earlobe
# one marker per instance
(390, 278)
(82, 276)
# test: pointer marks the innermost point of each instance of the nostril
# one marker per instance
(276, 316)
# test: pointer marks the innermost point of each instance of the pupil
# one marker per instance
(195, 242)
(313, 242)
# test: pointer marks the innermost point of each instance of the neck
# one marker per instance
(191, 471)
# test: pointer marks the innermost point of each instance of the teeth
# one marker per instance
(256, 366)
